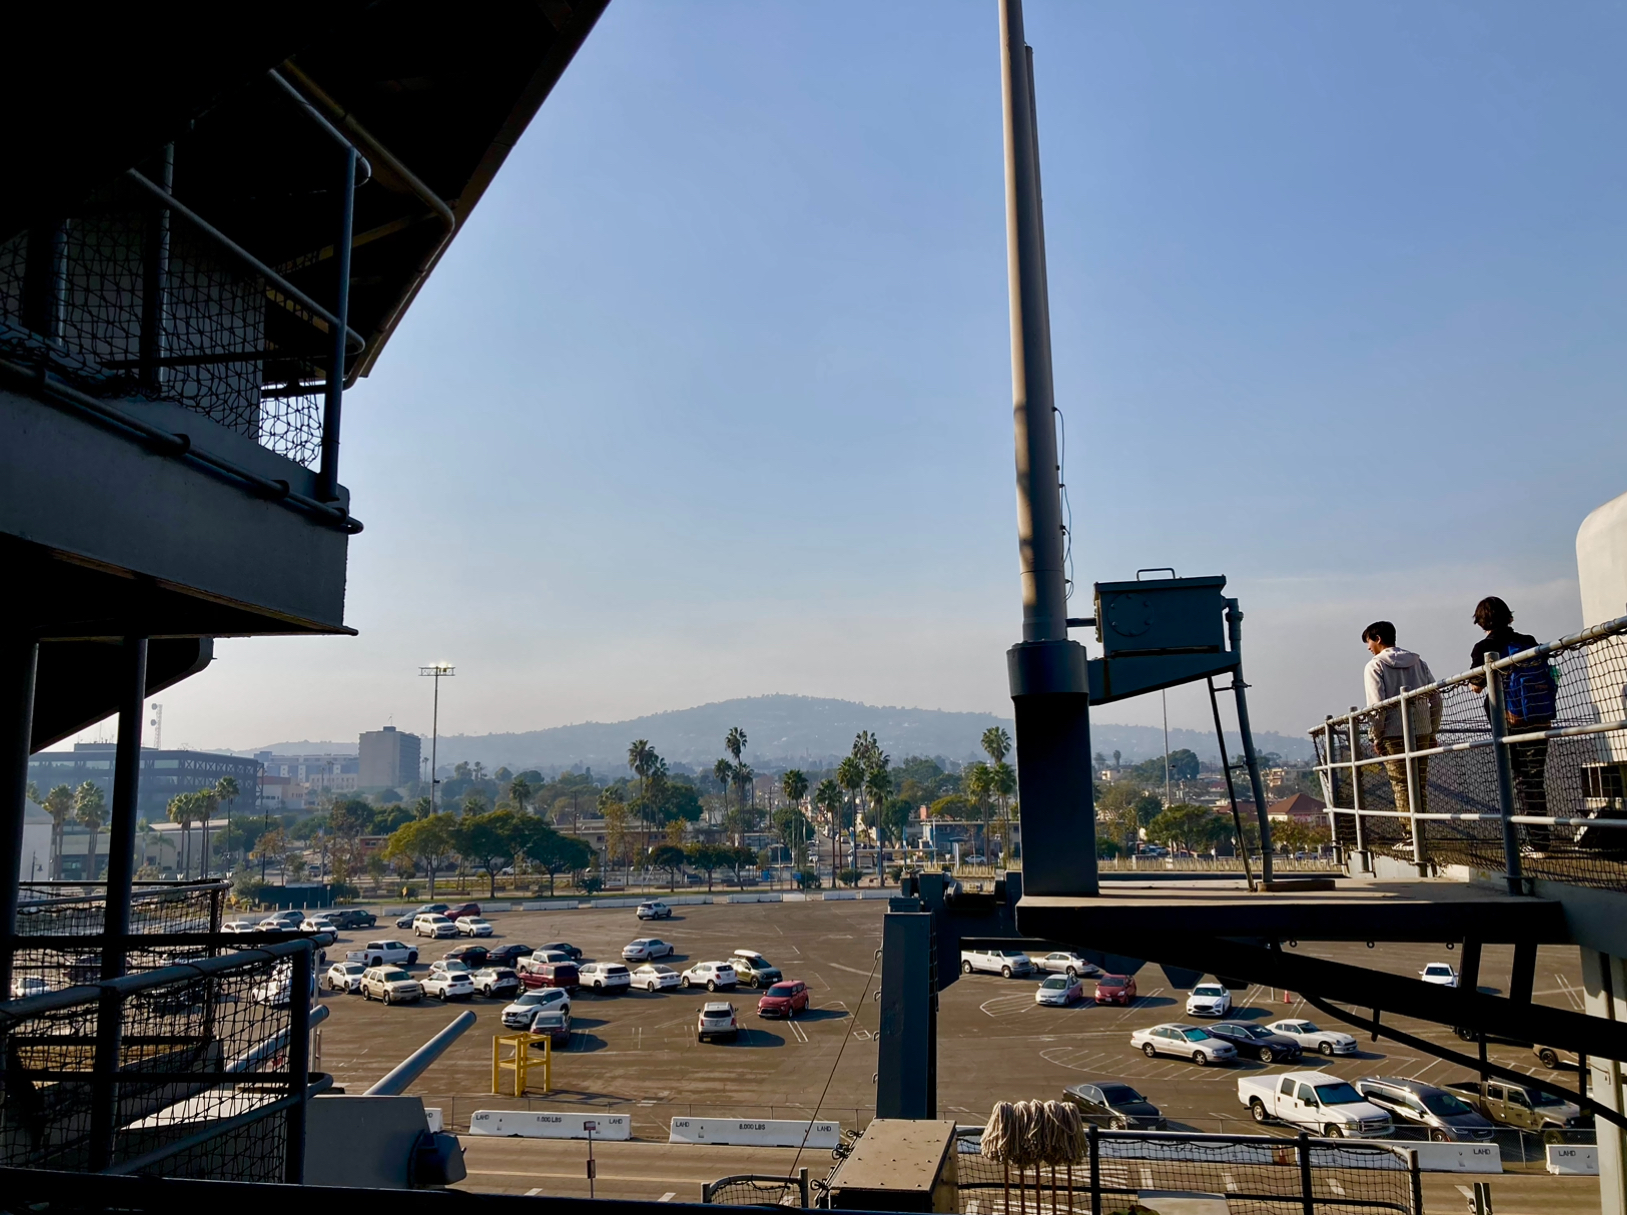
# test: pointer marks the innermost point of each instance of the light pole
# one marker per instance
(435, 671)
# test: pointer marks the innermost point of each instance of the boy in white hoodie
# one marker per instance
(1391, 670)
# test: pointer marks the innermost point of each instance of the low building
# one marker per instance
(1300, 808)
(163, 775)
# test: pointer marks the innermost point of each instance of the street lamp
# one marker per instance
(435, 670)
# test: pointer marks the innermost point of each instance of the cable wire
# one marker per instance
(812, 1118)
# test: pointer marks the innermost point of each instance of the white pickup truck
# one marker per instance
(1313, 1101)
(378, 953)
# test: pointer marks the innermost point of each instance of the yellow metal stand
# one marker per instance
(522, 1061)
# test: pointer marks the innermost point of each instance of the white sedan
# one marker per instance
(344, 976)
(1059, 989)
(1329, 1042)
(655, 978)
(647, 949)
(1188, 1041)
(473, 926)
(449, 985)
(443, 966)
(1440, 973)
(1209, 1000)
(1064, 962)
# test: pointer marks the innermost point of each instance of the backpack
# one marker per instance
(1529, 689)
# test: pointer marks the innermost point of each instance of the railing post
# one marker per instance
(328, 476)
(1307, 1195)
(1352, 731)
(1415, 1176)
(1505, 777)
(45, 281)
(1410, 767)
(802, 1185)
(299, 1059)
(155, 280)
(1093, 1138)
(19, 659)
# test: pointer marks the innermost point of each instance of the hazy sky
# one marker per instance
(711, 397)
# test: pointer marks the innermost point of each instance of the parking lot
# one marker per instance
(637, 1052)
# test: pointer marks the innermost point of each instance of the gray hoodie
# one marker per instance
(1385, 676)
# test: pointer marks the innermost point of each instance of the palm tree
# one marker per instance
(1003, 783)
(743, 777)
(878, 784)
(794, 784)
(850, 776)
(59, 805)
(208, 803)
(735, 742)
(227, 791)
(977, 782)
(997, 743)
(641, 759)
(519, 792)
(90, 809)
(183, 809)
(828, 797)
(723, 773)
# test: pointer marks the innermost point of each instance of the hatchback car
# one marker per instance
(1209, 1000)
(1326, 1041)
(1447, 1116)
(1115, 989)
(716, 1021)
(344, 976)
(655, 978)
(492, 981)
(449, 985)
(1187, 1041)
(784, 999)
(521, 1013)
(1059, 989)
(473, 926)
(754, 969)
(1257, 1042)
(647, 949)
(710, 975)
(654, 910)
(1115, 1106)
(605, 976)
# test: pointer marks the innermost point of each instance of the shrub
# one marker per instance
(849, 877)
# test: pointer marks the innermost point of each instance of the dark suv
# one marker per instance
(353, 917)
(1115, 1106)
(508, 955)
(1256, 1042)
(1445, 1115)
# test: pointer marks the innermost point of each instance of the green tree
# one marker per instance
(794, 784)
(670, 858)
(58, 804)
(708, 858)
(428, 843)
(226, 790)
(486, 840)
(978, 782)
(519, 792)
(1189, 827)
(740, 858)
(997, 743)
(952, 805)
(850, 776)
(90, 809)
(183, 810)
(1124, 809)
(745, 818)
(1003, 783)
(878, 787)
(556, 854)
(642, 759)
(723, 773)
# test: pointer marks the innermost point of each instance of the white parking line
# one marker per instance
(667, 1197)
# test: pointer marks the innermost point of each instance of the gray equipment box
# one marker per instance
(1163, 616)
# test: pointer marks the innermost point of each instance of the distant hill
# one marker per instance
(791, 730)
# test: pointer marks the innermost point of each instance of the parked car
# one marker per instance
(605, 976)
(23, 986)
(754, 969)
(288, 920)
(1116, 989)
(276, 991)
(472, 926)
(449, 985)
(549, 974)
(654, 910)
(1441, 973)
(717, 1020)
(492, 981)
(786, 998)
(241, 926)
(550, 955)
(344, 976)
(1188, 1041)
(458, 910)
(1309, 1037)
(1313, 1101)
(1209, 1000)
(1524, 1106)
(427, 909)
(1256, 1042)
(647, 949)
(1447, 1117)
(353, 917)
(433, 926)
(655, 978)
(710, 975)
(1059, 989)
(318, 923)
(564, 947)
(1115, 1106)
(525, 1007)
(473, 956)
(1065, 962)
(378, 953)
(1007, 962)
(503, 955)
(441, 966)
(390, 984)
(1552, 1056)
(556, 1023)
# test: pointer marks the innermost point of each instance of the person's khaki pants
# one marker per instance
(1398, 771)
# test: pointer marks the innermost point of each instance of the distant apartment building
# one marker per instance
(388, 758)
(163, 775)
(298, 782)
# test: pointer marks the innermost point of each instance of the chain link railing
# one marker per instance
(1543, 797)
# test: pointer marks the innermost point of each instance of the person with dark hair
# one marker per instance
(1529, 704)
(1391, 670)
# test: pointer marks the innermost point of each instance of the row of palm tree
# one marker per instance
(87, 806)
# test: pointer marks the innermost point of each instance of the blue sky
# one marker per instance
(711, 396)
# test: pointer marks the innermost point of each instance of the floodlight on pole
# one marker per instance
(435, 670)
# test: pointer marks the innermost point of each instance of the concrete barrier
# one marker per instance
(539, 1124)
(433, 1117)
(881, 892)
(1573, 1160)
(761, 896)
(1459, 1157)
(840, 894)
(750, 1132)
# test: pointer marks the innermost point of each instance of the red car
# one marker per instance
(462, 909)
(785, 999)
(1115, 989)
(550, 974)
